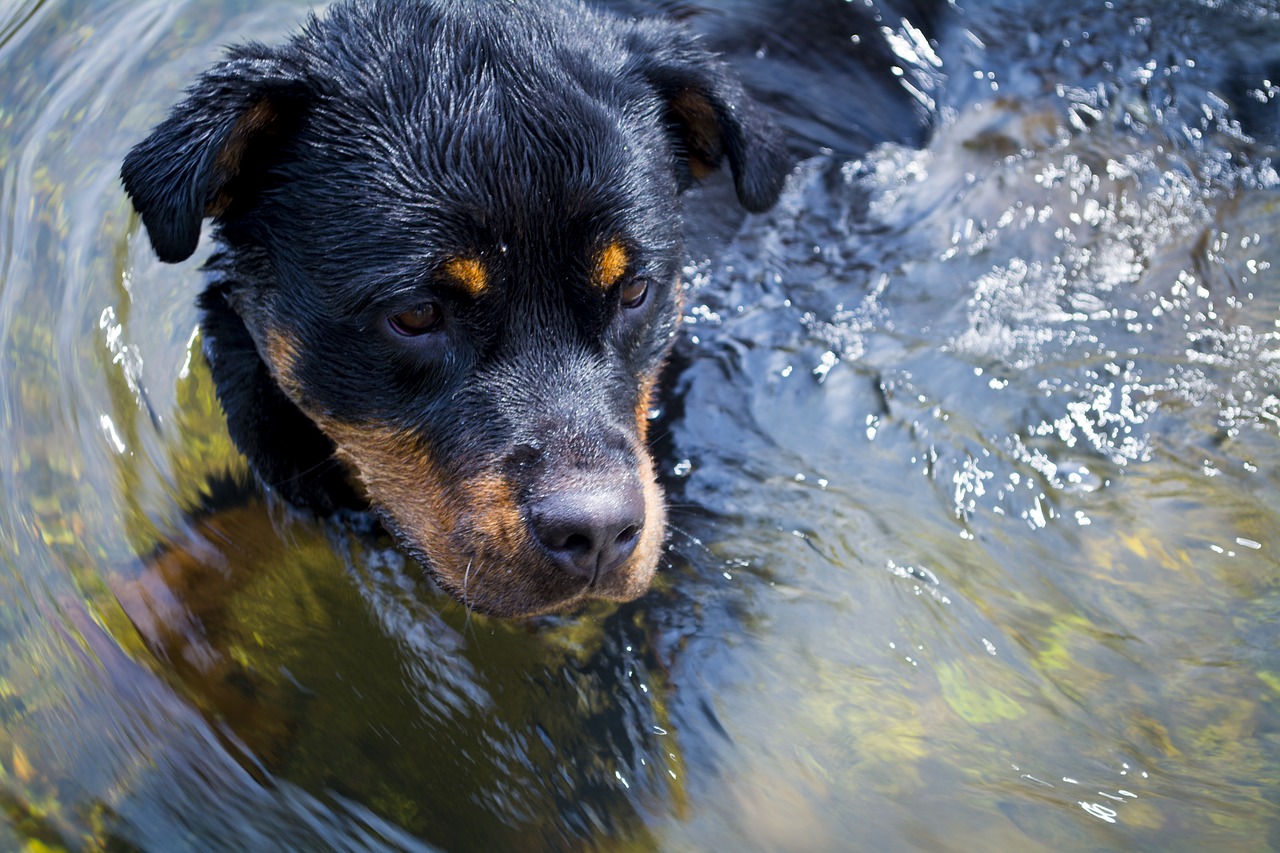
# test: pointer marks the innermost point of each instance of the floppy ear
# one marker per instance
(200, 161)
(711, 117)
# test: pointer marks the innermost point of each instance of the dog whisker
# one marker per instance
(319, 468)
(468, 627)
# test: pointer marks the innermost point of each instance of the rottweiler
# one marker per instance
(448, 271)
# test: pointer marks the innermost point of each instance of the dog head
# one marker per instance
(450, 256)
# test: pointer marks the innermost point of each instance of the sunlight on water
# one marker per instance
(971, 450)
(1065, 295)
(1051, 256)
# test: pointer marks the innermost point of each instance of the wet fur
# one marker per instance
(353, 172)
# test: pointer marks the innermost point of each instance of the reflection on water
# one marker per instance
(971, 448)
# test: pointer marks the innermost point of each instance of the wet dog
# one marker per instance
(448, 274)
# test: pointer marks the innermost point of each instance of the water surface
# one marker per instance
(971, 445)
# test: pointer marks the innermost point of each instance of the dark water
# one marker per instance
(971, 446)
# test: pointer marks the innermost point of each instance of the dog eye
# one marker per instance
(417, 321)
(634, 292)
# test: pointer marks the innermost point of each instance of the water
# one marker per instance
(971, 448)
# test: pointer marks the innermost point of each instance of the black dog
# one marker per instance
(450, 255)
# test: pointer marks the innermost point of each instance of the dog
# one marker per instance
(448, 272)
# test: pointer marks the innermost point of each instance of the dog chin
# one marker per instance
(497, 598)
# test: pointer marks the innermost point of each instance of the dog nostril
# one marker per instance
(589, 532)
(577, 544)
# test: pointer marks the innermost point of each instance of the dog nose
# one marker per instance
(590, 532)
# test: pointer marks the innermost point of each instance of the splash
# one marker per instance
(1058, 272)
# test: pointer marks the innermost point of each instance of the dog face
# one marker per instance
(450, 253)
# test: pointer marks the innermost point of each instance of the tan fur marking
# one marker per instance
(701, 131)
(281, 353)
(648, 383)
(611, 264)
(252, 121)
(644, 404)
(469, 273)
(471, 531)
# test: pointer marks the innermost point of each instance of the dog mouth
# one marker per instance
(507, 547)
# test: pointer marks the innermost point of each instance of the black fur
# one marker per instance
(345, 169)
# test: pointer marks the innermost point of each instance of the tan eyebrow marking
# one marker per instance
(611, 263)
(469, 273)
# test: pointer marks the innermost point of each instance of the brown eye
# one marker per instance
(634, 292)
(416, 321)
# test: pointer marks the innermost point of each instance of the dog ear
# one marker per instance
(200, 160)
(711, 117)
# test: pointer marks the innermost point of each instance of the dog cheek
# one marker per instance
(402, 481)
(468, 530)
(280, 351)
(492, 535)
(644, 406)
(633, 579)
(648, 383)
